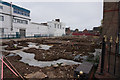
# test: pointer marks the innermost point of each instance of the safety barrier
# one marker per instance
(13, 69)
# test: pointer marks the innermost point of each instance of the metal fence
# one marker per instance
(110, 56)
(28, 35)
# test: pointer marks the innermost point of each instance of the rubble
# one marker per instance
(36, 75)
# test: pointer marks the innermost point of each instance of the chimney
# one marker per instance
(58, 20)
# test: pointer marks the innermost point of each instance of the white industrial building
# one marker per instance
(15, 21)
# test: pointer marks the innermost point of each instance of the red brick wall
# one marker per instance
(110, 28)
(110, 19)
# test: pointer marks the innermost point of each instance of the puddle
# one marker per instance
(78, 57)
(32, 45)
(2, 48)
(96, 53)
(12, 54)
(45, 47)
(29, 59)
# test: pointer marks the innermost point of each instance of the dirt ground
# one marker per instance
(24, 69)
(63, 48)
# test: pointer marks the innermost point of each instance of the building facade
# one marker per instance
(15, 21)
(56, 28)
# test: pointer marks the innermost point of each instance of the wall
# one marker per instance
(7, 23)
(54, 28)
(37, 29)
(110, 20)
(110, 29)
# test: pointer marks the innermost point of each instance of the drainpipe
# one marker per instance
(11, 17)
(119, 23)
(119, 34)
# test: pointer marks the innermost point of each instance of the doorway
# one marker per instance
(22, 33)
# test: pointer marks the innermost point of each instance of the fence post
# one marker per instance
(109, 54)
(116, 51)
(103, 53)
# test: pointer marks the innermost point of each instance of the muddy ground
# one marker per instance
(63, 47)
(51, 72)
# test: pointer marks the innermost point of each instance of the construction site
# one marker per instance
(48, 57)
(70, 57)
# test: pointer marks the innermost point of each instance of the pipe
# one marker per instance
(2, 69)
(14, 68)
(9, 67)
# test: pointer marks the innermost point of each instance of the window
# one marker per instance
(55, 25)
(25, 22)
(28, 14)
(1, 7)
(2, 30)
(1, 18)
(20, 21)
(15, 10)
(60, 26)
(21, 12)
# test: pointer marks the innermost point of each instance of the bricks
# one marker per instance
(110, 28)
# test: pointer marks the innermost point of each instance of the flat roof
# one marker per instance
(38, 23)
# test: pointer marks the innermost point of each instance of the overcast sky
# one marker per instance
(79, 15)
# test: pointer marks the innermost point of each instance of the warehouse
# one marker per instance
(15, 22)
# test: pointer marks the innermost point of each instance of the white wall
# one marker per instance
(1, 21)
(1, 25)
(37, 29)
(6, 24)
(56, 31)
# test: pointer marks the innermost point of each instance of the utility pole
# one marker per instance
(1, 30)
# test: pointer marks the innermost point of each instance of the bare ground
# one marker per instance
(63, 47)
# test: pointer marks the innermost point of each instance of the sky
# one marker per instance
(80, 15)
